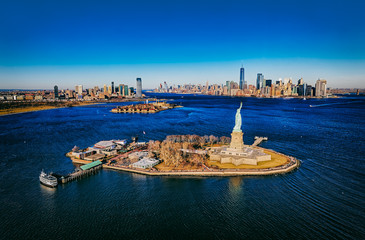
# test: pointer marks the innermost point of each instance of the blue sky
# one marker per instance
(43, 43)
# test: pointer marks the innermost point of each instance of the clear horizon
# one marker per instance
(180, 42)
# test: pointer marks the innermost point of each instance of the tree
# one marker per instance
(202, 141)
(206, 138)
(225, 140)
(212, 139)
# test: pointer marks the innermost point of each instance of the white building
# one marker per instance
(78, 89)
(121, 142)
(105, 145)
(137, 155)
(321, 88)
(145, 163)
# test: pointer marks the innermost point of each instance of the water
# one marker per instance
(323, 199)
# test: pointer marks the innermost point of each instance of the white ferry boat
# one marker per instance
(48, 180)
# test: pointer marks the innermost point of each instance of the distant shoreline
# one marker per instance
(251, 96)
(40, 108)
(13, 111)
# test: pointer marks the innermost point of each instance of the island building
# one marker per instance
(237, 152)
(145, 163)
(98, 151)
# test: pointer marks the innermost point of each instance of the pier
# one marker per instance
(258, 140)
(86, 170)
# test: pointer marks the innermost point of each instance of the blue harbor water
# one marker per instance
(323, 199)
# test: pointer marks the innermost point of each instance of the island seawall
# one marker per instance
(221, 173)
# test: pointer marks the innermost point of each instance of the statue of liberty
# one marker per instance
(237, 126)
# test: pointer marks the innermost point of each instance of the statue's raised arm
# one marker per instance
(237, 126)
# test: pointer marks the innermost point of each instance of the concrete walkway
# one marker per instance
(258, 140)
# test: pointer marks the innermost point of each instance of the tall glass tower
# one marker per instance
(56, 91)
(243, 84)
(139, 88)
(259, 81)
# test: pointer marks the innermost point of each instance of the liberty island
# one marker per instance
(184, 155)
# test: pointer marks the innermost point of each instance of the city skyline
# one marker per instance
(90, 43)
(99, 75)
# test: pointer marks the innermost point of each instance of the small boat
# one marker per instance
(48, 180)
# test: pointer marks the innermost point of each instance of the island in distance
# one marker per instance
(184, 155)
(146, 107)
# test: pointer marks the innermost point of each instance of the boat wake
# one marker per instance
(329, 104)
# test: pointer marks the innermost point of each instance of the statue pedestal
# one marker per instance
(236, 140)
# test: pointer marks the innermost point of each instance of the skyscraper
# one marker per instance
(139, 88)
(112, 87)
(228, 84)
(55, 91)
(121, 88)
(243, 84)
(268, 82)
(126, 90)
(78, 90)
(259, 81)
(304, 89)
(321, 88)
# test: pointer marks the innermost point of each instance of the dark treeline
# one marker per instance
(198, 140)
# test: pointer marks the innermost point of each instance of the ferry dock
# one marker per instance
(84, 171)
